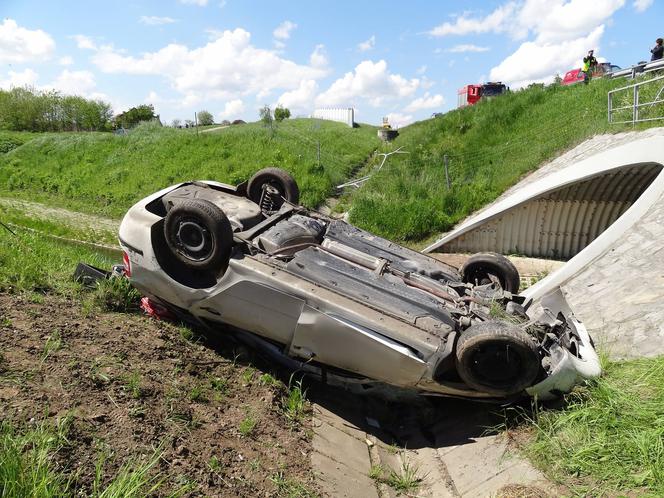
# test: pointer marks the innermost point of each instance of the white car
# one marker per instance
(322, 295)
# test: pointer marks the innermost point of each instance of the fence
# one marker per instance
(637, 103)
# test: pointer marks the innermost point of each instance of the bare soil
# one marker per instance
(57, 361)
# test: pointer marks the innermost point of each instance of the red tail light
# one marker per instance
(127, 263)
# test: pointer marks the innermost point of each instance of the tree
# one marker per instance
(265, 114)
(281, 113)
(176, 123)
(205, 118)
(188, 123)
(135, 115)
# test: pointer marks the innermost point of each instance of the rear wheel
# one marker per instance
(199, 235)
(480, 267)
(270, 186)
(497, 358)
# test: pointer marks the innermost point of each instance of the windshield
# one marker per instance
(490, 90)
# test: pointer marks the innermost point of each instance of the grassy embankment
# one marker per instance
(104, 173)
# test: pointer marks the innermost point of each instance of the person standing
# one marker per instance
(589, 65)
(657, 51)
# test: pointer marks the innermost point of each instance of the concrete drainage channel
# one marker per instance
(368, 446)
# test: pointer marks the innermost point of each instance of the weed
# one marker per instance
(52, 345)
(116, 294)
(376, 472)
(290, 487)
(133, 385)
(247, 425)
(254, 464)
(187, 333)
(215, 464)
(268, 380)
(219, 385)
(96, 373)
(406, 480)
(248, 376)
(295, 403)
(134, 479)
(197, 394)
(5, 321)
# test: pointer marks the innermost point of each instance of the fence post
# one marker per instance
(447, 173)
(635, 110)
(610, 105)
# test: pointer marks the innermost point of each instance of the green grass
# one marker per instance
(247, 425)
(295, 402)
(106, 173)
(490, 147)
(609, 438)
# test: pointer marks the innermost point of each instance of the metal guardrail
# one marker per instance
(635, 108)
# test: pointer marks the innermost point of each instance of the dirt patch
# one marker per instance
(131, 384)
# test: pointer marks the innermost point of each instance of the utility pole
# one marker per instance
(196, 122)
(447, 173)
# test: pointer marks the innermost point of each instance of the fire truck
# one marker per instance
(472, 94)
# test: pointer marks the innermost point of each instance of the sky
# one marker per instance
(400, 59)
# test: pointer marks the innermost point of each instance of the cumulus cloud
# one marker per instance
(496, 22)
(75, 82)
(318, 57)
(283, 31)
(425, 102)
(641, 5)
(466, 48)
(232, 109)
(539, 62)
(27, 77)
(370, 80)
(84, 42)
(301, 100)
(66, 61)
(156, 20)
(367, 44)
(227, 67)
(397, 119)
(19, 44)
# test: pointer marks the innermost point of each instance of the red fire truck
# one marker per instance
(472, 94)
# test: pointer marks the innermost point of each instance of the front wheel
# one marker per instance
(480, 267)
(270, 186)
(498, 358)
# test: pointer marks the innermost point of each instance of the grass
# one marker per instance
(295, 402)
(609, 438)
(248, 425)
(133, 385)
(490, 147)
(52, 345)
(406, 479)
(290, 488)
(106, 173)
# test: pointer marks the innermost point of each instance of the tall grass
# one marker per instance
(106, 173)
(609, 439)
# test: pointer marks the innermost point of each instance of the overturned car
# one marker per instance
(324, 296)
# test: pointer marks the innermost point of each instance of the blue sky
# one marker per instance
(400, 59)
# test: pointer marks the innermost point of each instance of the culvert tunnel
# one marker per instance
(562, 221)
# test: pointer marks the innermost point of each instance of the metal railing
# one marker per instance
(631, 107)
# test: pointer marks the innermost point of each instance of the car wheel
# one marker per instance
(269, 186)
(199, 235)
(497, 358)
(479, 267)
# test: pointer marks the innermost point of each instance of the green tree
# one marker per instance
(205, 118)
(265, 114)
(135, 115)
(281, 113)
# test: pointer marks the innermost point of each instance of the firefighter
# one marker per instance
(589, 65)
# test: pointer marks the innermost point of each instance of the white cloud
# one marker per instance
(398, 120)
(27, 77)
(422, 69)
(18, 44)
(318, 57)
(496, 22)
(367, 44)
(232, 110)
(200, 3)
(370, 80)
(75, 83)
(301, 100)
(227, 67)
(156, 20)
(84, 42)
(539, 62)
(425, 102)
(642, 5)
(66, 61)
(467, 48)
(283, 31)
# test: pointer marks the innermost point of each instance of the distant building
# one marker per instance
(342, 115)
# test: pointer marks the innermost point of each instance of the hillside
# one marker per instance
(490, 147)
(105, 173)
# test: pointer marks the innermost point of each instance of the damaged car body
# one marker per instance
(334, 300)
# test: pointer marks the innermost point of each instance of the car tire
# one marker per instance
(199, 235)
(278, 178)
(498, 358)
(477, 268)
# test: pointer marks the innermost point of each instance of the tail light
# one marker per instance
(127, 263)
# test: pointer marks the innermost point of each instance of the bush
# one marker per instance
(135, 115)
(281, 113)
(9, 143)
